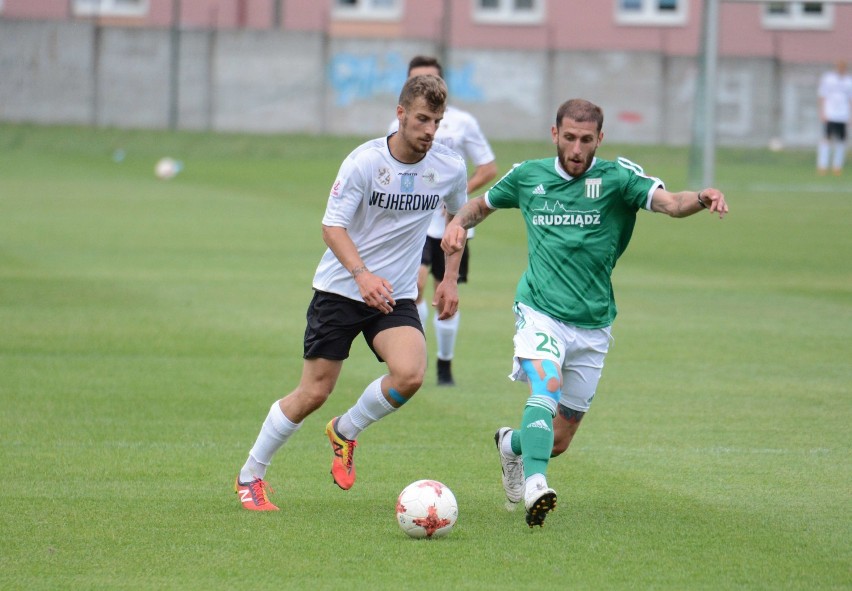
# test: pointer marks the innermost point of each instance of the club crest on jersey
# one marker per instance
(593, 188)
(384, 177)
(430, 177)
(406, 183)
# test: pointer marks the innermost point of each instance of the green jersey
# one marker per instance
(576, 230)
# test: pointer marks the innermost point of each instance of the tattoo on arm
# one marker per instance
(473, 213)
(358, 270)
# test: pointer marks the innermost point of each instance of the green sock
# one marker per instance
(536, 439)
(516, 441)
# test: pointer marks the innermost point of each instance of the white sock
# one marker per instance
(506, 448)
(823, 151)
(532, 483)
(423, 312)
(274, 433)
(370, 407)
(839, 155)
(445, 334)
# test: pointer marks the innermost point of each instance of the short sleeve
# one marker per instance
(638, 187)
(504, 193)
(346, 194)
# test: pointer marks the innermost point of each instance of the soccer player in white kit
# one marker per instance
(579, 213)
(460, 132)
(375, 222)
(835, 109)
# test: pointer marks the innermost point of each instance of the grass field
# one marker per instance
(146, 327)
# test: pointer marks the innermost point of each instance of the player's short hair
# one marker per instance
(580, 110)
(425, 61)
(431, 88)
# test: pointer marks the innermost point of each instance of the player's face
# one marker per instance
(576, 144)
(417, 126)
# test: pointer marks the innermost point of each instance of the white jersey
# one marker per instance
(386, 206)
(460, 132)
(836, 91)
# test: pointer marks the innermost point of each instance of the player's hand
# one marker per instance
(446, 301)
(714, 199)
(376, 292)
(454, 238)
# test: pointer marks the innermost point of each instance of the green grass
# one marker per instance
(146, 327)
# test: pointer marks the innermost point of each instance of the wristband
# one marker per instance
(700, 202)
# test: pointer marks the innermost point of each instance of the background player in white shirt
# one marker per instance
(835, 106)
(375, 222)
(461, 132)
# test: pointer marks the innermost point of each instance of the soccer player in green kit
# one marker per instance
(579, 212)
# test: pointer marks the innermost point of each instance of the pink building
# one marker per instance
(333, 66)
(791, 32)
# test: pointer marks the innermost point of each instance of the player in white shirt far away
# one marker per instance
(375, 222)
(461, 132)
(835, 110)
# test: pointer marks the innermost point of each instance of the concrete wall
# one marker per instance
(46, 72)
(283, 81)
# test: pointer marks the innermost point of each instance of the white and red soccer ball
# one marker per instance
(167, 168)
(426, 509)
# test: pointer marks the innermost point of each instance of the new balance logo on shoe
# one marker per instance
(539, 190)
(539, 424)
(253, 495)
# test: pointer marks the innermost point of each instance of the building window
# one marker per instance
(110, 7)
(508, 12)
(651, 12)
(798, 15)
(381, 10)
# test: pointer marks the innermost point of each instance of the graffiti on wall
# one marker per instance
(357, 77)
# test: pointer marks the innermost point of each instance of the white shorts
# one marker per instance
(578, 351)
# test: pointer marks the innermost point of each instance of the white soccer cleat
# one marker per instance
(539, 501)
(513, 468)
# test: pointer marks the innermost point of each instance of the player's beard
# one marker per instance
(414, 143)
(574, 169)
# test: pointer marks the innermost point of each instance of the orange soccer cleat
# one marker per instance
(253, 495)
(343, 465)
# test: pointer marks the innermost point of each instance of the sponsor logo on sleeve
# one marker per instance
(337, 187)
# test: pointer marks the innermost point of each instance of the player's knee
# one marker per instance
(312, 396)
(408, 382)
(571, 416)
(554, 385)
(544, 378)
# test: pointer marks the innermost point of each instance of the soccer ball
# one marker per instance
(426, 509)
(167, 168)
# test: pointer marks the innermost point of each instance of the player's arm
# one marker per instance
(471, 214)
(686, 203)
(375, 291)
(446, 300)
(481, 176)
